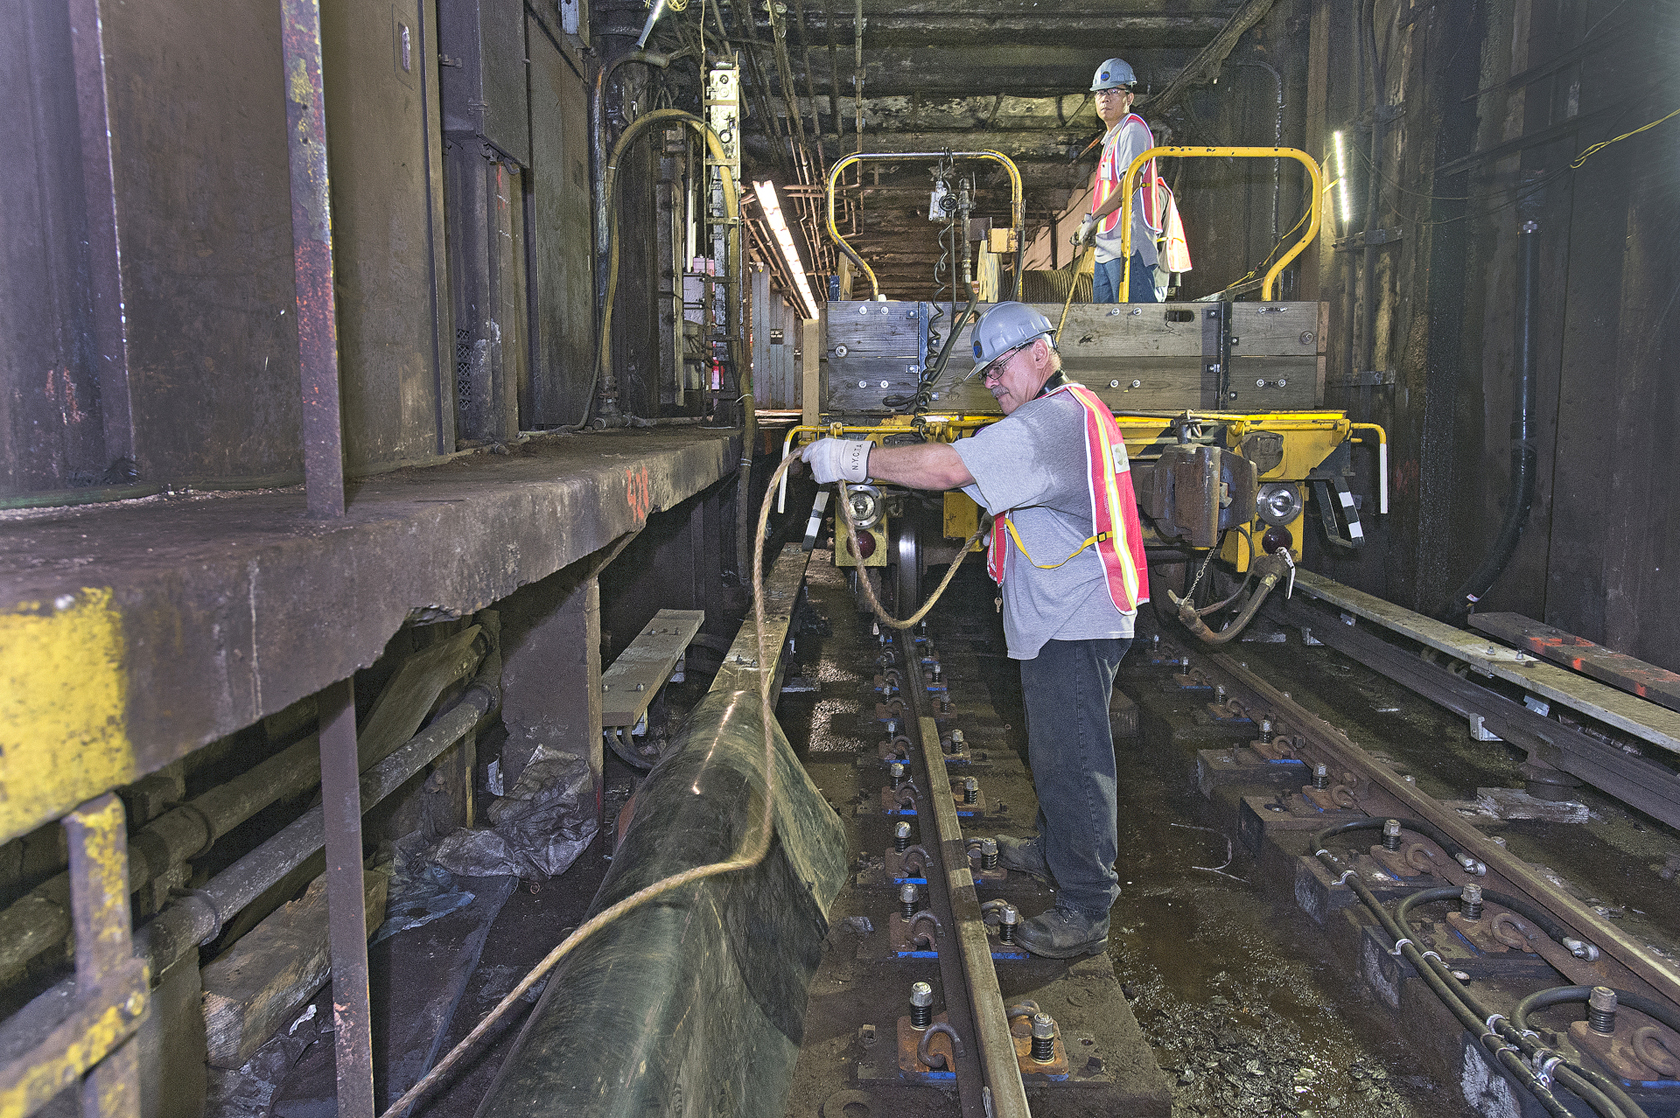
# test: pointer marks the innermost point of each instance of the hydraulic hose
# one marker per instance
(1272, 570)
(1426, 829)
(1523, 452)
(963, 319)
(732, 203)
(1598, 1090)
(863, 579)
(1498, 1035)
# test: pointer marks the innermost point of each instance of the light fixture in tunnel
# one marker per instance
(766, 192)
(653, 17)
(1344, 182)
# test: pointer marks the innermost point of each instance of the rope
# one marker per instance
(863, 576)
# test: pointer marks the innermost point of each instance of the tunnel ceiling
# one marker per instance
(937, 75)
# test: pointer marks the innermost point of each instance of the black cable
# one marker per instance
(1509, 1045)
(1557, 995)
(1428, 830)
(1599, 1091)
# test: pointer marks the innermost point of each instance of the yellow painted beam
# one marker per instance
(63, 703)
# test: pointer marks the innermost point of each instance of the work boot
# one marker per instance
(1061, 933)
(1023, 856)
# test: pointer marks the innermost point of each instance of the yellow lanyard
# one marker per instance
(1009, 523)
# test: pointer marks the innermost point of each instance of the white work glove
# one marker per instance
(1087, 230)
(834, 460)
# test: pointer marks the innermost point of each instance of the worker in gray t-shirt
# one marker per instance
(1066, 558)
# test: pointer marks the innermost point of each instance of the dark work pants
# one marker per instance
(1106, 277)
(1070, 747)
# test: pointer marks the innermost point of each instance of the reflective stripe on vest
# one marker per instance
(1108, 182)
(1119, 535)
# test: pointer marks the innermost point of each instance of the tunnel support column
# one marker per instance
(552, 676)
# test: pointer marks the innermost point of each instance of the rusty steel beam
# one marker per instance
(341, 802)
(312, 249)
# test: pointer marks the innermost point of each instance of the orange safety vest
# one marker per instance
(1107, 182)
(1119, 535)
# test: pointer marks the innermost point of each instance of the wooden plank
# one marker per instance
(741, 670)
(257, 984)
(1644, 720)
(1290, 383)
(810, 359)
(1276, 329)
(641, 669)
(1607, 665)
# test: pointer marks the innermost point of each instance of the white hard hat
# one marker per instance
(1113, 74)
(1003, 328)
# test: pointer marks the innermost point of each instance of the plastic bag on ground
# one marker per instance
(537, 830)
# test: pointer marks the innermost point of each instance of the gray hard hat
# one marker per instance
(1113, 74)
(1005, 327)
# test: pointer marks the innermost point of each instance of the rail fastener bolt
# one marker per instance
(1601, 1010)
(907, 900)
(1043, 1038)
(921, 1006)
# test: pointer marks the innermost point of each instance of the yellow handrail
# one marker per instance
(1128, 186)
(1018, 207)
(1382, 462)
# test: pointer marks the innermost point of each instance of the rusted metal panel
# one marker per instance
(487, 268)
(376, 62)
(51, 412)
(199, 129)
(109, 325)
(484, 93)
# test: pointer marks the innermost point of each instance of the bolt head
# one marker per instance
(907, 893)
(921, 994)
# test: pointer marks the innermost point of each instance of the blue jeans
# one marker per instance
(1070, 747)
(1105, 281)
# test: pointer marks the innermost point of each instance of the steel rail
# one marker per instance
(1640, 717)
(1626, 951)
(1636, 781)
(999, 1065)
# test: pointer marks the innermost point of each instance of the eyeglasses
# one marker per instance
(994, 371)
